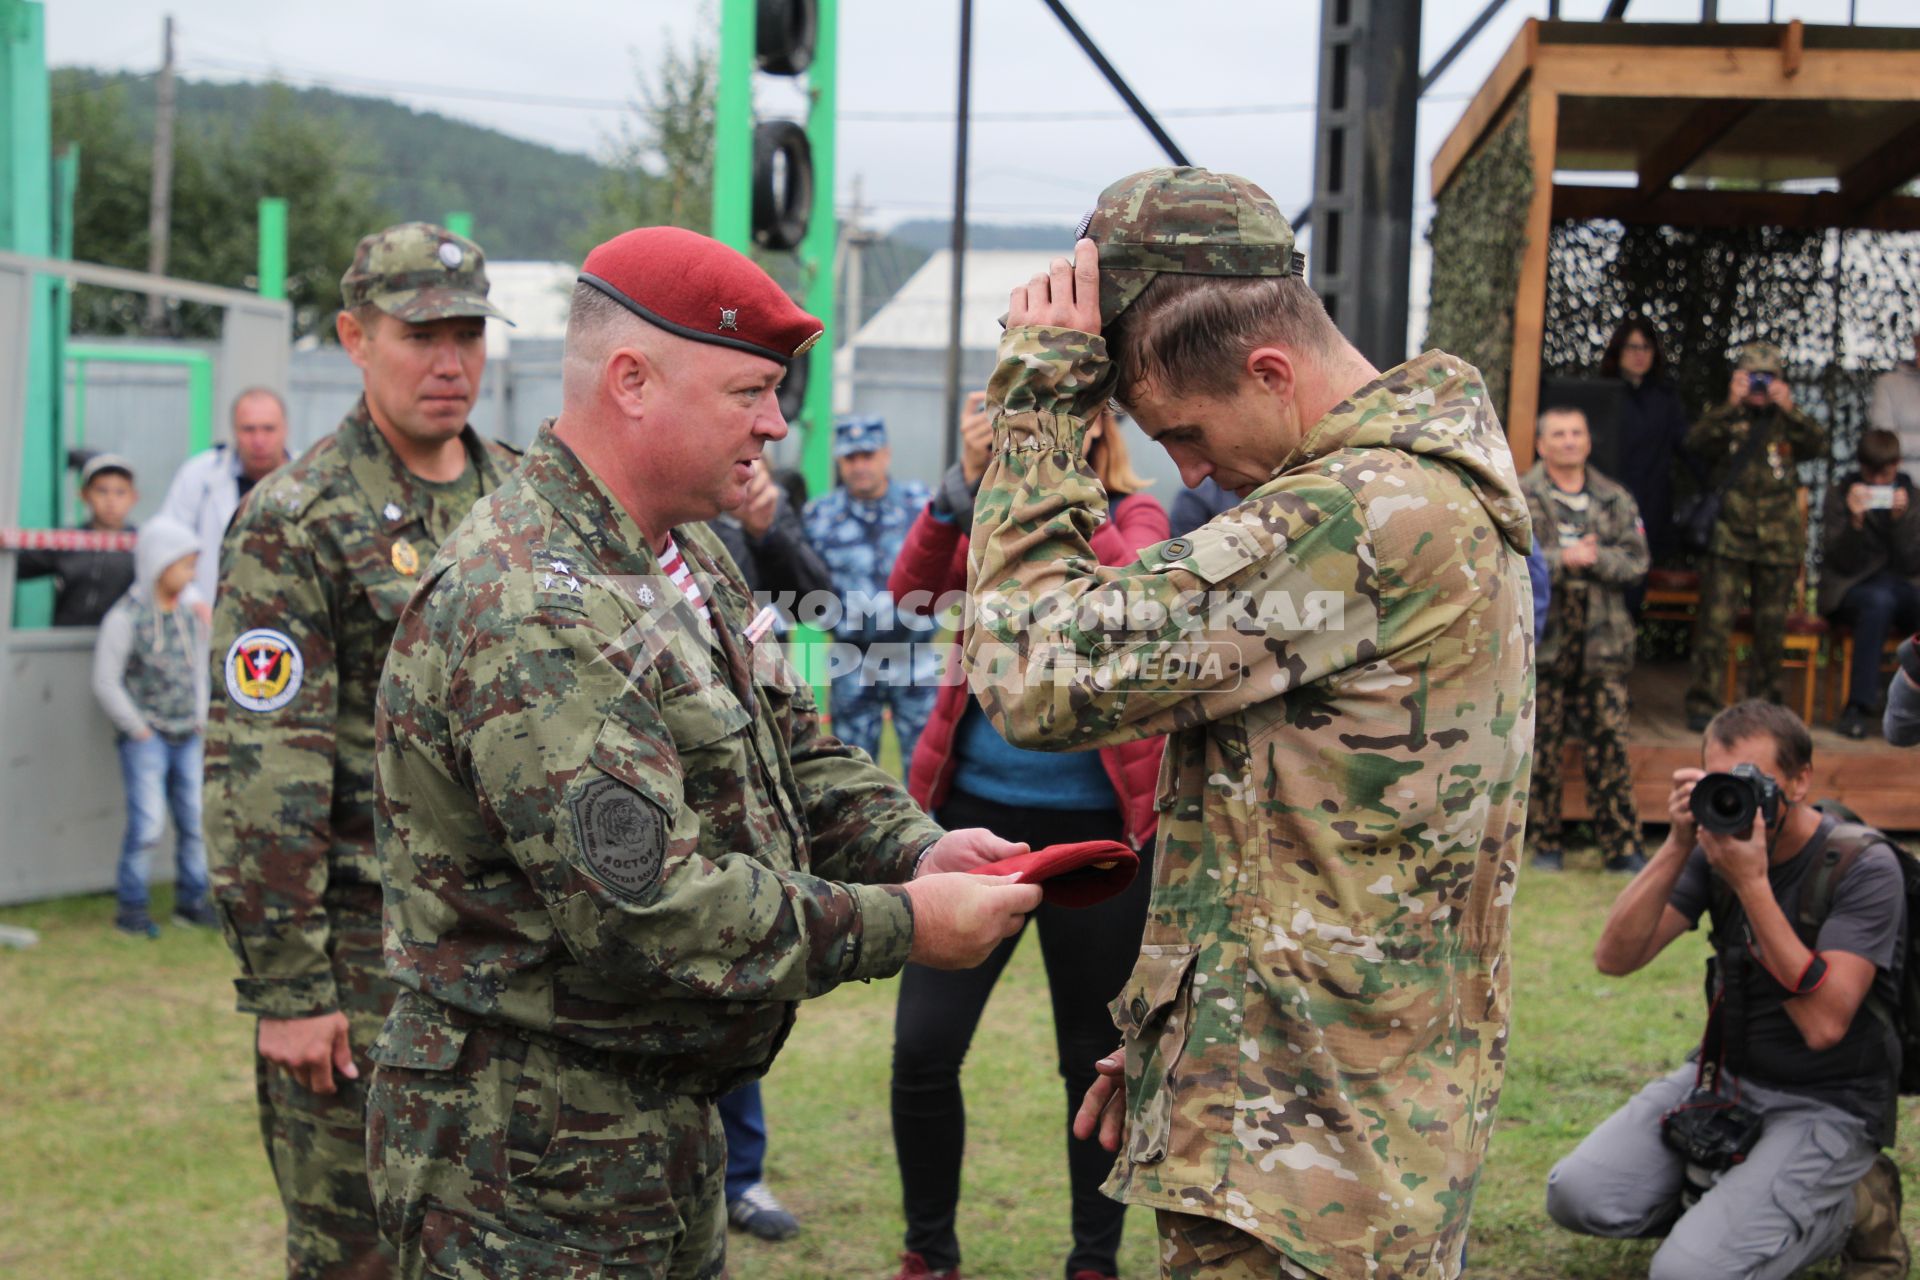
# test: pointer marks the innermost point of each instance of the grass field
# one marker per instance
(130, 1147)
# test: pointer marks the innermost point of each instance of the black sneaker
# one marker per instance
(758, 1214)
(195, 915)
(1549, 859)
(1627, 863)
(136, 924)
(1853, 722)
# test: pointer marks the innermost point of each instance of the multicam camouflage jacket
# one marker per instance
(316, 566)
(1760, 517)
(1316, 1029)
(606, 822)
(1614, 522)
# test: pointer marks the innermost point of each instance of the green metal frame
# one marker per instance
(272, 272)
(733, 225)
(27, 227)
(199, 366)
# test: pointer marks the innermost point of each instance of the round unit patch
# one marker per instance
(451, 255)
(264, 669)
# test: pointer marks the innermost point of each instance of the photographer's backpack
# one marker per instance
(1848, 841)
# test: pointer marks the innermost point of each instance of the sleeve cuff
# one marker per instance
(305, 997)
(885, 935)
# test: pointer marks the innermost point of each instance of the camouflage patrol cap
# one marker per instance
(417, 272)
(1760, 357)
(1185, 221)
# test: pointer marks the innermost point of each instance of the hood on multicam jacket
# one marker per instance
(1434, 406)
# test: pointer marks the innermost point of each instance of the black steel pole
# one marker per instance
(956, 303)
(1139, 108)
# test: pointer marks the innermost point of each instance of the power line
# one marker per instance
(330, 80)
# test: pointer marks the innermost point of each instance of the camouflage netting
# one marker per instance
(1478, 234)
(1842, 305)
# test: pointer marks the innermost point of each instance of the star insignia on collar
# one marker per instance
(644, 594)
(392, 511)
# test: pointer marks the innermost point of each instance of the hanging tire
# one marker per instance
(782, 184)
(793, 388)
(784, 33)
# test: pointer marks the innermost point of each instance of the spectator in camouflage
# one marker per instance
(1596, 549)
(314, 571)
(1760, 539)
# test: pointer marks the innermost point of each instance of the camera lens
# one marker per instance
(1724, 803)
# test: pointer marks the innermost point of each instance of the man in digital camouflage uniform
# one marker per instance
(858, 529)
(1760, 539)
(314, 571)
(1596, 551)
(1315, 1033)
(618, 847)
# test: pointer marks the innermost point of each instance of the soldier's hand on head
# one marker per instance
(967, 848)
(959, 919)
(1104, 1110)
(1065, 296)
(1679, 810)
(312, 1049)
(976, 437)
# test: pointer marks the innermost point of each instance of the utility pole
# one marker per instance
(160, 200)
(956, 279)
(856, 242)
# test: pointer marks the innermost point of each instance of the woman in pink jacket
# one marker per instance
(967, 775)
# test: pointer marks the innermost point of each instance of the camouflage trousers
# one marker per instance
(1197, 1248)
(1723, 584)
(494, 1156)
(1593, 710)
(317, 1142)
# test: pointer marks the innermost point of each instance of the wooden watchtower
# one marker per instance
(1692, 125)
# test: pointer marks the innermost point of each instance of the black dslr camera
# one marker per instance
(1712, 1134)
(1726, 802)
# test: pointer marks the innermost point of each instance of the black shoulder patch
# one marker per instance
(622, 836)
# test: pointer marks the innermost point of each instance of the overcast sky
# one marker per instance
(1232, 80)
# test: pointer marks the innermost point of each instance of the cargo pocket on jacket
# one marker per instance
(456, 1248)
(1154, 1013)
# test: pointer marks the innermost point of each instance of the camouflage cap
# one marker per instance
(1187, 221)
(1760, 357)
(417, 272)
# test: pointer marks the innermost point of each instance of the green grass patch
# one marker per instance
(126, 1084)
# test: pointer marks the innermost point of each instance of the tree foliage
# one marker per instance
(659, 165)
(221, 169)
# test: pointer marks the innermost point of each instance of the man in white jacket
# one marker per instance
(207, 488)
(150, 674)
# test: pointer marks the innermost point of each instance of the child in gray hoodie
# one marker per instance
(150, 673)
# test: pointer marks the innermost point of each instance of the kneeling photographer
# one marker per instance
(1747, 1157)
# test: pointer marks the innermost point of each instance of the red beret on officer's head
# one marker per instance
(693, 285)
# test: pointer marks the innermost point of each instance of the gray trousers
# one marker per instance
(1787, 1206)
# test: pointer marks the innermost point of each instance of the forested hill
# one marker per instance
(528, 201)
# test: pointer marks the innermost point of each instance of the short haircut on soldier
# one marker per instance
(1756, 717)
(1879, 448)
(1188, 333)
(233, 414)
(596, 324)
(1560, 411)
